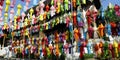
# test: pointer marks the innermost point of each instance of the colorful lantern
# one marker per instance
(13, 4)
(66, 4)
(115, 45)
(7, 5)
(74, 3)
(31, 12)
(1, 10)
(101, 30)
(19, 8)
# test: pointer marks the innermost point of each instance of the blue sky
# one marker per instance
(104, 4)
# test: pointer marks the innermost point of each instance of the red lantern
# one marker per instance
(116, 7)
(47, 7)
(74, 18)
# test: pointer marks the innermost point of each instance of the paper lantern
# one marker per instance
(1, 10)
(19, 8)
(13, 4)
(101, 30)
(76, 32)
(6, 15)
(66, 4)
(47, 7)
(11, 13)
(7, 5)
(116, 7)
(84, 1)
(58, 8)
(74, 18)
(52, 2)
(45, 15)
(41, 6)
(23, 15)
(89, 45)
(62, 8)
(31, 12)
(52, 12)
(78, 2)
(74, 3)
(115, 45)
(41, 17)
(15, 22)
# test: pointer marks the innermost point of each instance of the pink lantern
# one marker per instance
(11, 13)
(23, 15)
(27, 3)
(41, 6)
(116, 7)
(12, 4)
(1, 10)
(37, 10)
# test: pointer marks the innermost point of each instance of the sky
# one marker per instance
(103, 2)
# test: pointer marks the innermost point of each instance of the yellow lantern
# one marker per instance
(19, 8)
(31, 12)
(7, 5)
(84, 1)
(15, 17)
(6, 16)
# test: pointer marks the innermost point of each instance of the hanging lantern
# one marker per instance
(74, 3)
(31, 12)
(11, 13)
(1, 10)
(66, 4)
(13, 4)
(116, 7)
(84, 1)
(52, 12)
(47, 7)
(41, 6)
(7, 5)
(27, 4)
(19, 8)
